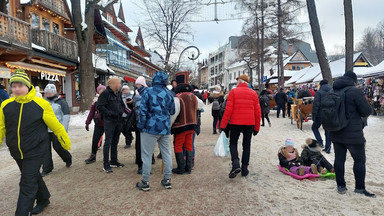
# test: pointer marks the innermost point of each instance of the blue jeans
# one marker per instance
(315, 129)
(148, 143)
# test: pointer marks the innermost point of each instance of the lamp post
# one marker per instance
(192, 57)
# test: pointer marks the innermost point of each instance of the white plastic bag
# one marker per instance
(222, 146)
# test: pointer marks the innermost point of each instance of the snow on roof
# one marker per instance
(112, 25)
(372, 71)
(112, 38)
(297, 75)
(35, 46)
(24, 1)
(104, 3)
(337, 68)
(237, 64)
(101, 63)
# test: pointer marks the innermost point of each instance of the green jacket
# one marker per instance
(24, 122)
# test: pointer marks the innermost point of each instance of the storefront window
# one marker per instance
(46, 24)
(35, 21)
(56, 28)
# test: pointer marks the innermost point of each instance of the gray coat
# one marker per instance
(61, 109)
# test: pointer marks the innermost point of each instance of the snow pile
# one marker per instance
(79, 119)
(104, 3)
(100, 63)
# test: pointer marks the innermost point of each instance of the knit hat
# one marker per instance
(125, 87)
(141, 80)
(289, 142)
(351, 75)
(100, 87)
(50, 88)
(243, 77)
(21, 77)
(312, 143)
(323, 82)
(182, 78)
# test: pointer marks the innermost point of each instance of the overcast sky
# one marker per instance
(210, 35)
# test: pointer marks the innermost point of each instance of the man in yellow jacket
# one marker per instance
(24, 122)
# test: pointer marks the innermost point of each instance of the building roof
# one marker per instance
(377, 70)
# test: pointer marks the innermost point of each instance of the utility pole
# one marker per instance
(280, 66)
(261, 84)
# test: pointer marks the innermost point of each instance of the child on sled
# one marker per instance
(311, 154)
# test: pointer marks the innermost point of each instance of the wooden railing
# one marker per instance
(15, 31)
(56, 6)
(55, 44)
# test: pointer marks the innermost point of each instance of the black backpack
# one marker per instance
(333, 110)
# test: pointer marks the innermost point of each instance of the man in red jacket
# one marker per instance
(243, 115)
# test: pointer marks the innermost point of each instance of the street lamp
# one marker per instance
(192, 57)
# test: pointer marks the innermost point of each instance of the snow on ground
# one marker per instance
(208, 190)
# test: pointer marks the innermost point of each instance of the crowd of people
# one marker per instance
(154, 113)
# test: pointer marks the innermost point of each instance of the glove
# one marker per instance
(87, 127)
(255, 133)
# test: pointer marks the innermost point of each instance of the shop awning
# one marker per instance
(5, 72)
(35, 68)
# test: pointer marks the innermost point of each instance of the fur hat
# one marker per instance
(243, 77)
(312, 143)
(182, 78)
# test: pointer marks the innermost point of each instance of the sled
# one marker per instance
(328, 175)
(295, 176)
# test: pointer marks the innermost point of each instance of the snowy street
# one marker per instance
(86, 190)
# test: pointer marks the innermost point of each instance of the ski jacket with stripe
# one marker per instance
(24, 122)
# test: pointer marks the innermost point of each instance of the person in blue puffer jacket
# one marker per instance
(156, 107)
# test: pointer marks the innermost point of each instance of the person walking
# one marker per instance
(24, 122)
(98, 131)
(243, 115)
(291, 97)
(127, 99)
(316, 116)
(185, 124)
(3, 92)
(141, 87)
(351, 137)
(111, 106)
(281, 101)
(216, 99)
(61, 109)
(265, 107)
(156, 107)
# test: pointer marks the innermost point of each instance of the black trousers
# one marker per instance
(358, 154)
(280, 107)
(247, 131)
(32, 186)
(128, 137)
(289, 109)
(264, 116)
(112, 135)
(323, 163)
(97, 134)
(64, 154)
(215, 119)
(139, 162)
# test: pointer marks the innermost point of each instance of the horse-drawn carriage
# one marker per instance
(301, 111)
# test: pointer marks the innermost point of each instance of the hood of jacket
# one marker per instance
(215, 95)
(26, 98)
(343, 82)
(160, 78)
(326, 88)
(304, 146)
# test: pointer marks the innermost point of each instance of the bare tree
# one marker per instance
(318, 41)
(83, 21)
(372, 43)
(168, 25)
(348, 18)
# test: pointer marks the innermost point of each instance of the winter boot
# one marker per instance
(188, 162)
(314, 169)
(235, 169)
(180, 164)
(244, 171)
(214, 131)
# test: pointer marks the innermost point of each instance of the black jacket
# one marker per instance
(317, 101)
(357, 108)
(285, 163)
(281, 98)
(309, 154)
(111, 105)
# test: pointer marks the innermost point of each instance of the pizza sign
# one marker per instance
(49, 77)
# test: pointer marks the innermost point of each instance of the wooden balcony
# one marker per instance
(55, 44)
(56, 6)
(14, 31)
